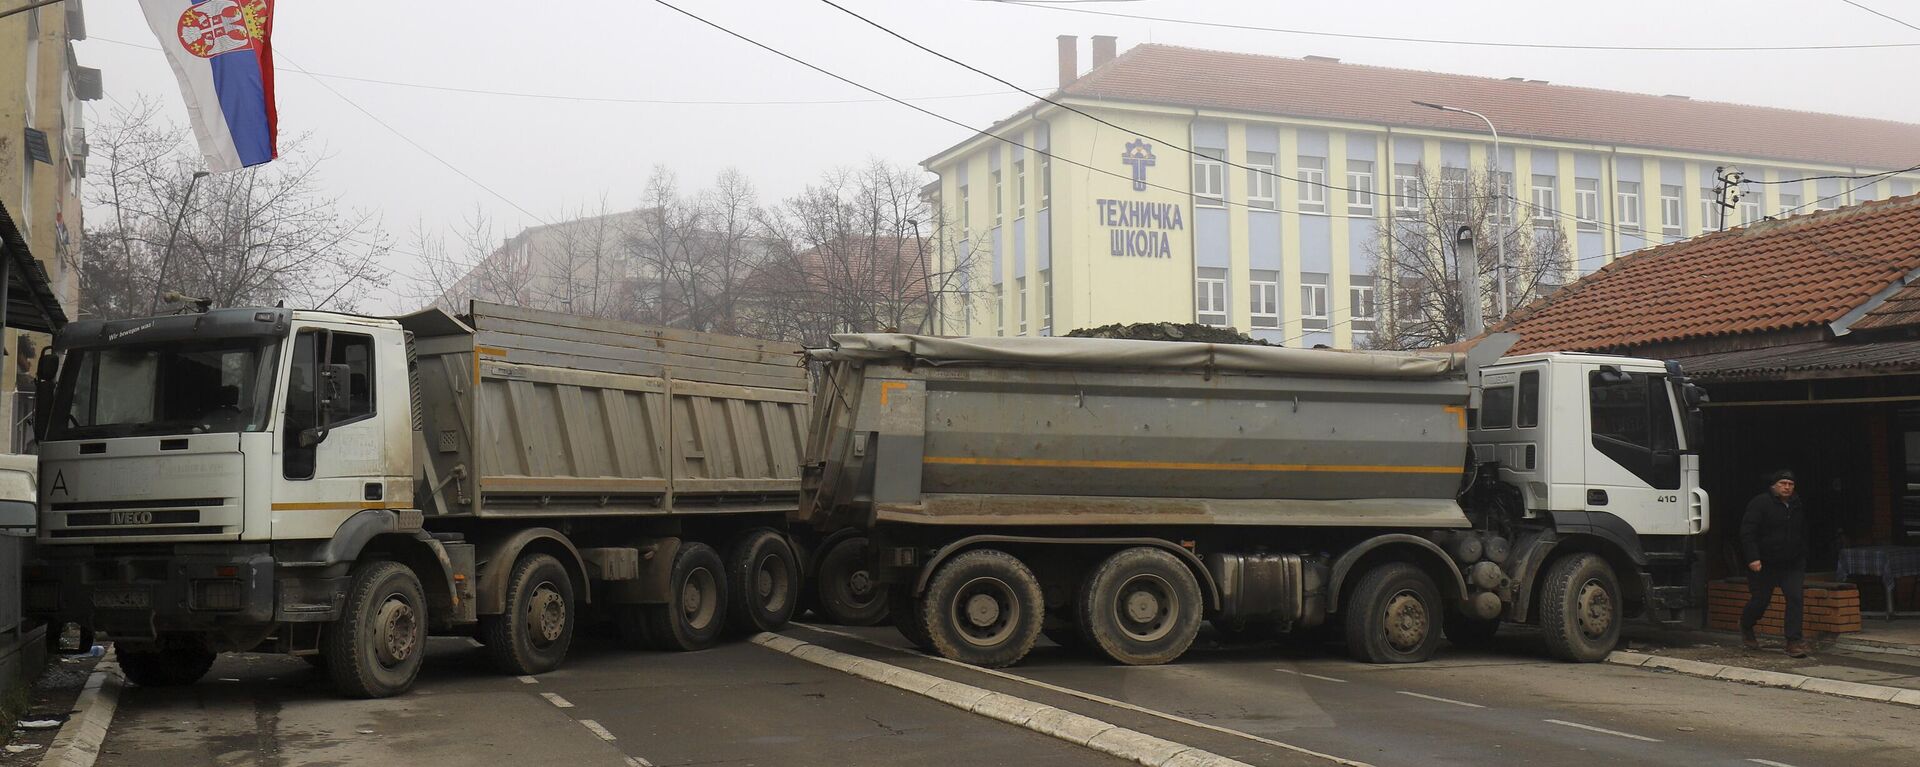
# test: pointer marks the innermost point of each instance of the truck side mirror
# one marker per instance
(45, 374)
(333, 382)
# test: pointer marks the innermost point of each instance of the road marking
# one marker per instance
(556, 700)
(1605, 730)
(1097, 698)
(1442, 700)
(597, 729)
(1770, 763)
(528, 680)
(1310, 676)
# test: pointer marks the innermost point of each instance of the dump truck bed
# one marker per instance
(1064, 431)
(529, 413)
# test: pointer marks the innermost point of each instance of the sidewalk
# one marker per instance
(1884, 654)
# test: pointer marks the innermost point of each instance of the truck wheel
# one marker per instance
(377, 644)
(848, 593)
(532, 635)
(765, 582)
(983, 607)
(910, 620)
(1140, 607)
(697, 606)
(170, 665)
(1580, 608)
(1392, 615)
(1468, 631)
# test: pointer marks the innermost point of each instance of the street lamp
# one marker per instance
(160, 281)
(1499, 234)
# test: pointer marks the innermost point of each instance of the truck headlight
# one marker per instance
(215, 595)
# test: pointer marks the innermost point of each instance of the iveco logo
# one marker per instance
(131, 518)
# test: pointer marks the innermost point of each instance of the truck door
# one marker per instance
(331, 450)
(1634, 453)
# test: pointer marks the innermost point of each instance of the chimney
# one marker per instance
(1069, 60)
(1103, 50)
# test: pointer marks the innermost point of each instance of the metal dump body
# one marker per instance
(1066, 431)
(528, 413)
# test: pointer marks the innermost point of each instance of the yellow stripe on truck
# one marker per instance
(1050, 463)
(329, 505)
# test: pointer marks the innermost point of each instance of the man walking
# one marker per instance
(1773, 535)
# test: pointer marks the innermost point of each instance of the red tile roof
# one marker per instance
(1801, 272)
(1325, 89)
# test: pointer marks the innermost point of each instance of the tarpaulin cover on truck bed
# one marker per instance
(1116, 353)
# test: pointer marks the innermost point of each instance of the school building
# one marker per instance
(1253, 191)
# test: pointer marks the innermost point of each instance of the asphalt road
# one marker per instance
(741, 704)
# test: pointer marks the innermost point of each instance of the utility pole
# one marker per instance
(1500, 205)
(1726, 191)
(1466, 262)
(160, 280)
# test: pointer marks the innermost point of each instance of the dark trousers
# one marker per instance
(1791, 580)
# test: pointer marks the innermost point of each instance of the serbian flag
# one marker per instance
(220, 51)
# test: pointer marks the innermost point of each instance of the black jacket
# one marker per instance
(1774, 532)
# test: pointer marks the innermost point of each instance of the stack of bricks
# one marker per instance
(1832, 608)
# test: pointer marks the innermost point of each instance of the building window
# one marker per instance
(1503, 192)
(1670, 210)
(1210, 296)
(1789, 204)
(1019, 188)
(1000, 309)
(1046, 302)
(1046, 181)
(1260, 179)
(1626, 202)
(1264, 299)
(1751, 204)
(1546, 198)
(1313, 301)
(1406, 187)
(1313, 184)
(1586, 204)
(1360, 303)
(1020, 294)
(997, 199)
(966, 213)
(1709, 208)
(1831, 202)
(1360, 187)
(1209, 177)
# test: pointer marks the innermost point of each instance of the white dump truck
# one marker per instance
(1113, 494)
(339, 487)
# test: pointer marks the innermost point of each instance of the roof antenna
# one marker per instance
(280, 304)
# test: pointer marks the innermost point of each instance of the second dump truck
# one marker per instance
(339, 487)
(1113, 494)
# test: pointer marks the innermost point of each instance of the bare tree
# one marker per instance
(1420, 301)
(474, 265)
(249, 237)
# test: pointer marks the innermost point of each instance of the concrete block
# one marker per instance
(1907, 697)
(1684, 666)
(1628, 658)
(813, 653)
(957, 695)
(1007, 708)
(1760, 676)
(1850, 689)
(914, 681)
(1135, 746)
(1067, 726)
(777, 642)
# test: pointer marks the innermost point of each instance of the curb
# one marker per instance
(1131, 745)
(79, 740)
(1870, 692)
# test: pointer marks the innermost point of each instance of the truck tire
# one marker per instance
(1580, 608)
(376, 646)
(845, 589)
(765, 581)
(697, 610)
(532, 635)
(1391, 616)
(1140, 607)
(170, 665)
(983, 607)
(909, 620)
(1468, 631)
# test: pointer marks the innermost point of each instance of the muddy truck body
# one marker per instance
(339, 487)
(1113, 494)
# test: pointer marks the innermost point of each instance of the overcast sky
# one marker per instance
(551, 156)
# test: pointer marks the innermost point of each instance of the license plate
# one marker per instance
(123, 598)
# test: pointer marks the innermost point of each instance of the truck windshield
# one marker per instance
(174, 388)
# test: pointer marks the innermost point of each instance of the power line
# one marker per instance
(599, 99)
(1478, 43)
(1101, 120)
(1881, 15)
(1881, 174)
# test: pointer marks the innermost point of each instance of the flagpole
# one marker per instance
(160, 281)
